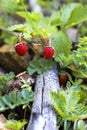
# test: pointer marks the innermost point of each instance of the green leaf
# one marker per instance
(12, 97)
(31, 19)
(55, 19)
(14, 124)
(2, 105)
(12, 100)
(25, 94)
(5, 99)
(68, 105)
(23, 14)
(18, 27)
(81, 125)
(9, 76)
(31, 70)
(28, 16)
(66, 11)
(78, 15)
(39, 66)
(58, 101)
(36, 16)
(61, 44)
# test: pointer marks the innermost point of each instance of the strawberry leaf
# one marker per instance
(61, 44)
(67, 104)
(66, 11)
(78, 15)
(39, 66)
(55, 19)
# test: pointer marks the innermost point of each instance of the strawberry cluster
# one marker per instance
(22, 48)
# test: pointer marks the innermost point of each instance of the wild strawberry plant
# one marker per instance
(76, 62)
(14, 99)
(7, 18)
(69, 105)
(51, 31)
(11, 99)
(47, 38)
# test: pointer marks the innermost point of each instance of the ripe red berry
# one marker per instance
(48, 52)
(21, 49)
(63, 78)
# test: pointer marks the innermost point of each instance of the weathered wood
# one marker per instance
(43, 116)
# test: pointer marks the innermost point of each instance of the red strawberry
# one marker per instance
(21, 48)
(63, 78)
(48, 52)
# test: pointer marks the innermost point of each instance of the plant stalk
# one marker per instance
(65, 124)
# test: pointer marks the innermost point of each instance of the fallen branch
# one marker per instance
(43, 116)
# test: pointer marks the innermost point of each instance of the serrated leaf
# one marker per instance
(14, 124)
(34, 64)
(7, 102)
(39, 66)
(66, 11)
(39, 70)
(19, 96)
(78, 15)
(13, 97)
(18, 27)
(79, 73)
(48, 30)
(2, 103)
(55, 19)
(31, 70)
(9, 76)
(67, 103)
(61, 44)
(23, 14)
(11, 100)
(57, 98)
(30, 16)
(25, 94)
(36, 16)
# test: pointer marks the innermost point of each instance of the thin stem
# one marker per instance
(25, 113)
(29, 17)
(50, 42)
(65, 124)
(43, 65)
(20, 37)
(29, 107)
(75, 125)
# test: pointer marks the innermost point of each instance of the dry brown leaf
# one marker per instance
(2, 122)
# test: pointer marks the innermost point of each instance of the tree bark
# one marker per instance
(43, 116)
